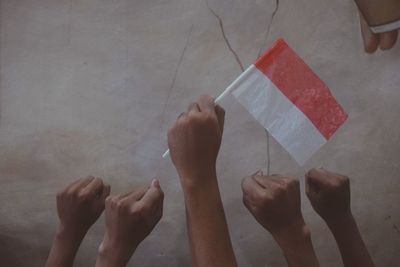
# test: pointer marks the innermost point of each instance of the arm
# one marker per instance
(329, 194)
(130, 218)
(208, 231)
(78, 206)
(274, 201)
(194, 142)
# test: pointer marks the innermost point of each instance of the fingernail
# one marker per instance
(155, 183)
(258, 173)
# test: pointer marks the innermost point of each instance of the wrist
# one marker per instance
(297, 246)
(70, 234)
(340, 222)
(114, 254)
(293, 235)
(198, 180)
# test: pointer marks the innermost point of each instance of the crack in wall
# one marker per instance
(239, 62)
(171, 87)
(176, 74)
(228, 44)
(271, 20)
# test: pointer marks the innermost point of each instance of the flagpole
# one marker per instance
(227, 91)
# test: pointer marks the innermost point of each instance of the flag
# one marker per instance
(290, 101)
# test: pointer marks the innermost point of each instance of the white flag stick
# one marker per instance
(229, 89)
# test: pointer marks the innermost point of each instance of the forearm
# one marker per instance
(65, 246)
(351, 245)
(111, 257)
(297, 246)
(112, 253)
(208, 231)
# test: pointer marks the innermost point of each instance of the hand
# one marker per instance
(329, 194)
(274, 201)
(374, 40)
(80, 204)
(130, 218)
(194, 140)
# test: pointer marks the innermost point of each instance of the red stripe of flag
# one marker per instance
(302, 87)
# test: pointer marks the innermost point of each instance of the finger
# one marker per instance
(106, 192)
(206, 103)
(268, 181)
(259, 172)
(193, 108)
(135, 195)
(388, 40)
(317, 178)
(81, 183)
(248, 203)
(371, 40)
(94, 188)
(220, 116)
(153, 196)
(251, 188)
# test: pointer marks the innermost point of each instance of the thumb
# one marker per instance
(153, 195)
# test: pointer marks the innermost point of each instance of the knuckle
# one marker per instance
(265, 199)
(244, 183)
(120, 205)
(138, 210)
(108, 201)
(209, 117)
(83, 197)
(185, 121)
(280, 188)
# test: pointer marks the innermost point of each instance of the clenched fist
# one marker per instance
(329, 194)
(194, 140)
(274, 201)
(81, 203)
(130, 218)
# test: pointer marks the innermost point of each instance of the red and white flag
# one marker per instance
(292, 103)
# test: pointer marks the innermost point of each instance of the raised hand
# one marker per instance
(329, 194)
(79, 206)
(274, 201)
(194, 140)
(130, 218)
(81, 203)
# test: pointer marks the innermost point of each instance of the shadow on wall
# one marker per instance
(13, 251)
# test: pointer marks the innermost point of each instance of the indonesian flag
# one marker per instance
(289, 100)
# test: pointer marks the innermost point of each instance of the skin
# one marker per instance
(194, 141)
(329, 194)
(274, 201)
(130, 218)
(78, 206)
(373, 41)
